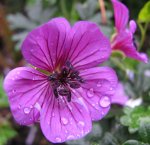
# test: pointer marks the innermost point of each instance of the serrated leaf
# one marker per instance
(109, 139)
(144, 15)
(135, 117)
(133, 142)
(144, 132)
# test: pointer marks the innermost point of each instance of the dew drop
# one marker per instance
(104, 101)
(13, 91)
(37, 106)
(103, 113)
(27, 110)
(53, 114)
(58, 139)
(64, 120)
(90, 93)
(19, 107)
(18, 72)
(99, 84)
(111, 89)
(81, 124)
(70, 137)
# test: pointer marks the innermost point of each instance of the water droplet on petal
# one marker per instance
(58, 139)
(13, 91)
(104, 101)
(103, 113)
(64, 120)
(99, 84)
(18, 72)
(27, 110)
(53, 114)
(81, 124)
(111, 89)
(37, 106)
(19, 107)
(70, 137)
(90, 92)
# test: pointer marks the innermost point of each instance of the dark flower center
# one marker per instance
(66, 79)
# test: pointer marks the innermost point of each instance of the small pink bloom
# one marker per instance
(72, 90)
(119, 97)
(124, 38)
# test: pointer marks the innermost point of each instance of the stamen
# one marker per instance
(65, 80)
(74, 85)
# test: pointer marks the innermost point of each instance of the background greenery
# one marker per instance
(127, 125)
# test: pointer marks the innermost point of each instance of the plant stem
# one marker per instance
(143, 33)
(63, 8)
(103, 11)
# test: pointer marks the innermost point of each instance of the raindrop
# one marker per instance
(53, 114)
(103, 113)
(58, 139)
(13, 79)
(64, 120)
(19, 107)
(31, 50)
(13, 91)
(111, 89)
(99, 84)
(104, 101)
(27, 110)
(18, 72)
(81, 124)
(70, 137)
(37, 106)
(90, 92)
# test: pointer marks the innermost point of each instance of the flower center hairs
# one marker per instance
(62, 82)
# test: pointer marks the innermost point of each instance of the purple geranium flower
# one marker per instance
(64, 90)
(123, 39)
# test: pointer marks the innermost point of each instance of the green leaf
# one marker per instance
(133, 142)
(134, 117)
(144, 15)
(118, 54)
(6, 132)
(144, 132)
(3, 97)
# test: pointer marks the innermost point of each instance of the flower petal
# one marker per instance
(61, 120)
(100, 84)
(121, 15)
(87, 46)
(119, 97)
(26, 89)
(132, 26)
(44, 46)
(124, 42)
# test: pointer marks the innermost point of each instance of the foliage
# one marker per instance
(144, 15)
(3, 97)
(6, 132)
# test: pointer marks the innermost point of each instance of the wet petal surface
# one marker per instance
(61, 121)
(26, 89)
(100, 85)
